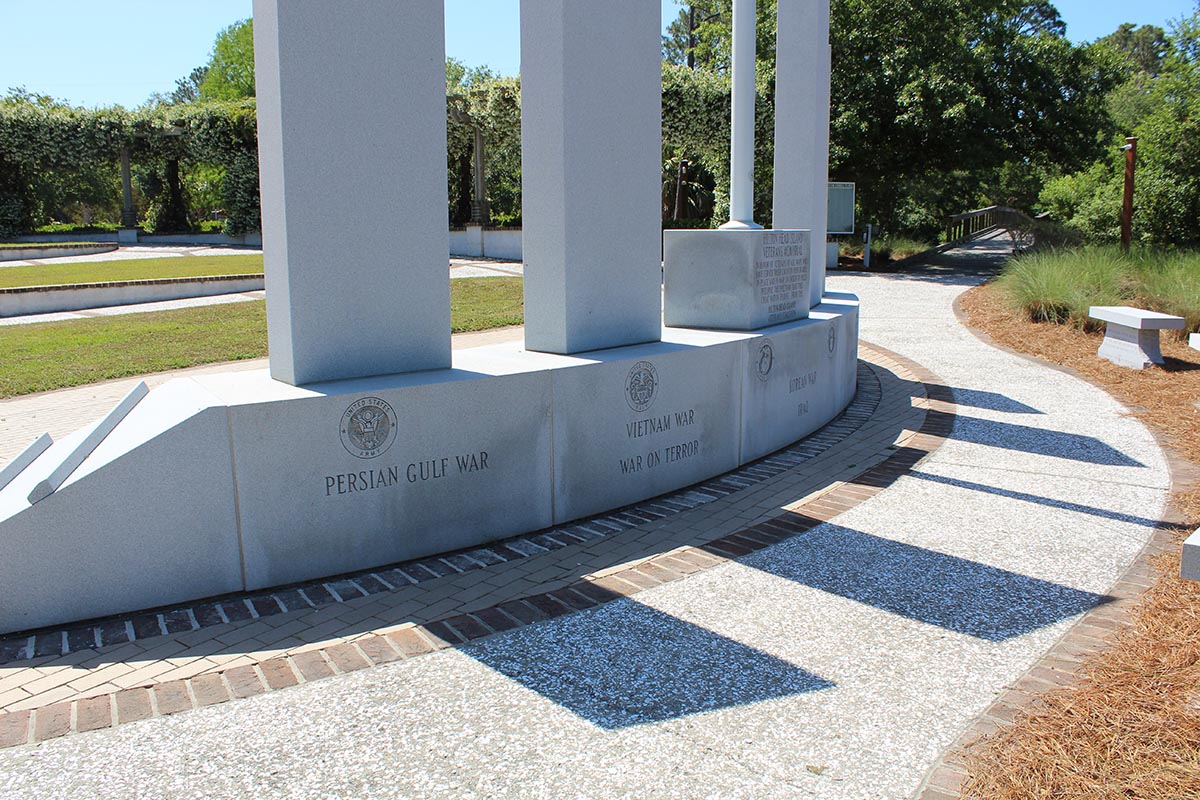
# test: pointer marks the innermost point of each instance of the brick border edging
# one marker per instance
(130, 705)
(1090, 635)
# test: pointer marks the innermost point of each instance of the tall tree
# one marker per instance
(187, 90)
(230, 69)
(931, 99)
(701, 35)
(1144, 48)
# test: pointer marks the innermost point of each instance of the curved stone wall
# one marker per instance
(235, 481)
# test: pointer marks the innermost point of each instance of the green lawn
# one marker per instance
(132, 270)
(55, 355)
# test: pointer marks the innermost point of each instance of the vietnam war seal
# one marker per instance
(641, 385)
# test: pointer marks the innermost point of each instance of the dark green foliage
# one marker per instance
(938, 106)
(1159, 104)
(494, 105)
(1145, 48)
(55, 154)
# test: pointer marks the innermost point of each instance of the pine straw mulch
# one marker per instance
(1130, 726)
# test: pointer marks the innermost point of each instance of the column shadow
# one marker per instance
(1038, 441)
(992, 401)
(626, 664)
(1039, 500)
(924, 585)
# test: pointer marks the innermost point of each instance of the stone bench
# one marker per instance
(1190, 569)
(1131, 334)
(1194, 341)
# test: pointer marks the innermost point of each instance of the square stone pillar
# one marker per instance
(352, 160)
(802, 75)
(591, 107)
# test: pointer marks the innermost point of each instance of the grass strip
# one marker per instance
(136, 269)
(56, 355)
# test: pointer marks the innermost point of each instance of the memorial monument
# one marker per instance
(366, 443)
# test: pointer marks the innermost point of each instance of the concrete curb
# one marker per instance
(28, 300)
(53, 251)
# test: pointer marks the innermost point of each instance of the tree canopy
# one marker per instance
(229, 74)
(1158, 102)
(937, 105)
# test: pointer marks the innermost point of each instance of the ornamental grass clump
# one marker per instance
(1170, 283)
(1060, 286)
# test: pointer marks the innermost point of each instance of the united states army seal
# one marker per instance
(368, 427)
(765, 359)
(641, 386)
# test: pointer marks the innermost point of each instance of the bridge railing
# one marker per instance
(981, 222)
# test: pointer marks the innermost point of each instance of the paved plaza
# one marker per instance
(829, 622)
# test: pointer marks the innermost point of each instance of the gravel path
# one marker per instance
(838, 664)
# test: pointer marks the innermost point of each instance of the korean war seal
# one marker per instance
(641, 385)
(765, 359)
(368, 427)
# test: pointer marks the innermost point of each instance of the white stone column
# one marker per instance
(741, 140)
(352, 155)
(802, 127)
(591, 97)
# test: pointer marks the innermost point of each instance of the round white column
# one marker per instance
(741, 155)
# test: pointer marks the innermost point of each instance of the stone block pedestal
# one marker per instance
(742, 279)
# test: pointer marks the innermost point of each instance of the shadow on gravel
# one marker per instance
(950, 592)
(991, 401)
(1116, 516)
(1039, 441)
(626, 664)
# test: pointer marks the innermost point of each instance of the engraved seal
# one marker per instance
(765, 359)
(832, 339)
(641, 386)
(368, 427)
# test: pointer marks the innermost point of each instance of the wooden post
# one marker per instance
(1127, 208)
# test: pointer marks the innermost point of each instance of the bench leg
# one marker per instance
(1130, 347)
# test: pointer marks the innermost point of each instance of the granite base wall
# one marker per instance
(235, 481)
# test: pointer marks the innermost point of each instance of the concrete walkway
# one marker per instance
(839, 662)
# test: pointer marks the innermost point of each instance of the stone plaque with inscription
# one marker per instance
(640, 421)
(735, 279)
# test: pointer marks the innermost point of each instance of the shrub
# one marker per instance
(1061, 285)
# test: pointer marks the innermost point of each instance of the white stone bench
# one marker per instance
(1194, 341)
(1131, 334)
(1190, 570)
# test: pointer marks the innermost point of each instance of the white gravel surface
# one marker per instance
(838, 664)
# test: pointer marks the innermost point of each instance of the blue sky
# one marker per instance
(102, 53)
